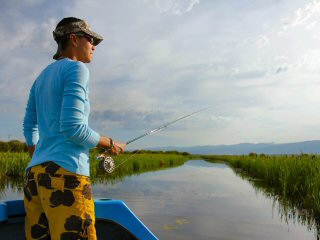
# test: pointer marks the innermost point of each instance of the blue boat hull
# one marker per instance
(114, 221)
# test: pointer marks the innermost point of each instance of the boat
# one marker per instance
(114, 221)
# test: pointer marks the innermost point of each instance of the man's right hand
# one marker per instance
(118, 148)
(106, 142)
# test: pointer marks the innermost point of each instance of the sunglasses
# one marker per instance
(89, 38)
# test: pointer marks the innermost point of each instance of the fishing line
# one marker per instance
(106, 161)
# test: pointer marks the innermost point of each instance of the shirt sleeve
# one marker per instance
(30, 124)
(73, 119)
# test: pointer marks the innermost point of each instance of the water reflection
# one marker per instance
(287, 209)
(11, 188)
(200, 200)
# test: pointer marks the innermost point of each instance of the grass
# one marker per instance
(292, 180)
(13, 165)
(133, 163)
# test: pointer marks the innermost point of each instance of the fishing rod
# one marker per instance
(106, 161)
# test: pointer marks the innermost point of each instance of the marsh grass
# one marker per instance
(13, 165)
(134, 163)
(293, 181)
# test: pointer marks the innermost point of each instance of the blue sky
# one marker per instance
(256, 62)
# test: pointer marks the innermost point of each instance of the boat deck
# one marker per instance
(114, 221)
(13, 229)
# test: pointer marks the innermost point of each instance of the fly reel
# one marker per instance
(106, 162)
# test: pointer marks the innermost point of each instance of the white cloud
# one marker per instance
(191, 5)
(306, 16)
(176, 7)
(159, 50)
(220, 119)
(262, 41)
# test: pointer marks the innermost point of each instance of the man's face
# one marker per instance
(85, 48)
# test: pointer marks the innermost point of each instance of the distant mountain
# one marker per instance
(246, 148)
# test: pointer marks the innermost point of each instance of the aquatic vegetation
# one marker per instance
(131, 163)
(292, 180)
(13, 165)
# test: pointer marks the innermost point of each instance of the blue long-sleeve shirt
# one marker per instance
(56, 118)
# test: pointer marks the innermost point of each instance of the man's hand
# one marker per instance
(112, 146)
(117, 148)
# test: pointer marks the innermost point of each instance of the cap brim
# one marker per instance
(96, 37)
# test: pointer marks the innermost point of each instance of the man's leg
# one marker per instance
(36, 224)
(68, 203)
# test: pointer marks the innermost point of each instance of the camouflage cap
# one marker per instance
(80, 26)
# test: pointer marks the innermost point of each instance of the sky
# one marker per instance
(256, 62)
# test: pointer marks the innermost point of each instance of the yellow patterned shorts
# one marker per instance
(59, 204)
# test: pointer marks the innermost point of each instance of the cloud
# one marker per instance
(262, 41)
(220, 119)
(26, 41)
(281, 69)
(191, 5)
(128, 120)
(251, 72)
(175, 7)
(306, 16)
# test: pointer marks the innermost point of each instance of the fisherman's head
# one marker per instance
(75, 39)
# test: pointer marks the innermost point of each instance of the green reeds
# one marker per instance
(292, 180)
(133, 163)
(13, 165)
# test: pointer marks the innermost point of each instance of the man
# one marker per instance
(57, 192)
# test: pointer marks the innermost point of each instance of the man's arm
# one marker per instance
(30, 123)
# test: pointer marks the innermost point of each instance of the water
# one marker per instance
(199, 200)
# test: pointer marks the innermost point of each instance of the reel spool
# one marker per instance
(106, 163)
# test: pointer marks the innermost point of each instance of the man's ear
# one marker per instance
(73, 40)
